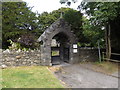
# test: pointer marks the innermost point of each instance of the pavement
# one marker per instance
(77, 76)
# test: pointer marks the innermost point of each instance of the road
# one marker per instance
(76, 76)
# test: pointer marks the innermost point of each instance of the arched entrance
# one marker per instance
(65, 38)
(60, 48)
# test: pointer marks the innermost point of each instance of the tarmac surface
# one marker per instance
(77, 76)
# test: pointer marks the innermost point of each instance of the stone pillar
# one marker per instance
(74, 57)
(46, 55)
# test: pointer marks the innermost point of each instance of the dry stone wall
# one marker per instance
(88, 54)
(32, 57)
(21, 58)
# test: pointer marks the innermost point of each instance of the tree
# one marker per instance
(93, 33)
(73, 17)
(90, 33)
(17, 19)
(45, 19)
(103, 14)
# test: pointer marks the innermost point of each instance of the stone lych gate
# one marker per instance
(61, 31)
(64, 43)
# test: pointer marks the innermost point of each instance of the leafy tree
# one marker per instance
(104, 14)
(28, 41)
(93, 33)
(73, 17)
(45, 19)
(19, 22)
(90, 33)
(17, 19)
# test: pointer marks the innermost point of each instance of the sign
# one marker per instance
(74, 50)
(74, 45)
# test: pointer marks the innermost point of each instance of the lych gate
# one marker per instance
(60, 51)
(66, 48)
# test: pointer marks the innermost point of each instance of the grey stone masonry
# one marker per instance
(21, 58)
(33, 57)
(88, 54)
(60, 26)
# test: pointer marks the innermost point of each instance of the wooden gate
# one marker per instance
(66, 55)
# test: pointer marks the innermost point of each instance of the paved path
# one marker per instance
(76, 76)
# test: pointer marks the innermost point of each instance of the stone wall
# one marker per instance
(32, 57)
(21, 58)
(88, 54)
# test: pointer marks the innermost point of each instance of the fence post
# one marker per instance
(99, 51)
(103, 55)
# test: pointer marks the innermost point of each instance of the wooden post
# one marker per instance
(103, 56)
(108, 42)
(99, 51)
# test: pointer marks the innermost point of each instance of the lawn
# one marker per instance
(29, 77)
(55, 53)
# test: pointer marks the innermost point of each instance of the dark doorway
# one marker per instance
(60, 49)
(66, 54)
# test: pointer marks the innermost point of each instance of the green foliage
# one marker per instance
(17, 19)
(74, 18)
(28, 41)
(102, 14)
(92, 33)
(87, 35)
(87, 32)
(24, 42)
(45, 19)
(14, 45)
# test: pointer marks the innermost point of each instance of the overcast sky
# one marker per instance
(48, 5)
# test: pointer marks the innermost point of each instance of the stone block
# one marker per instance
(18, 57)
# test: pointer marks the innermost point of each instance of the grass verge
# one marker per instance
(29, 77)
(105, 66)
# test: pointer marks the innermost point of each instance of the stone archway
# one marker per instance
(60, 52)
(61, 29)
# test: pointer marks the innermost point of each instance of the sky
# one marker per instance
(48, 5)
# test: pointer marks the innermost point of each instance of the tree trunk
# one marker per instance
(108, 41)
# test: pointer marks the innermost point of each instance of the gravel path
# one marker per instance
(76, 76)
